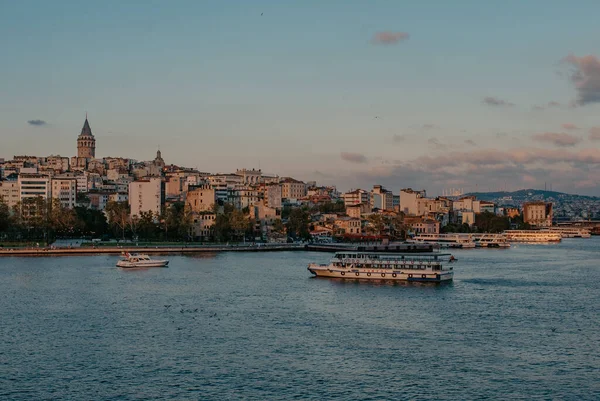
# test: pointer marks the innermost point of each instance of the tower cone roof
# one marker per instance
(86, 130)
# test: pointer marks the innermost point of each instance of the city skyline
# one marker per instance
(483, 99)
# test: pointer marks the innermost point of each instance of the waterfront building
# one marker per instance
(292, 189)
(146, 195)
(348, 225)
(357, 210)
(538, 214)
(33, 186)
(409, 204)
(65, 190)
(9, 192)
(356, 197)
(381, 198)
(201, 198)
(58, 164)
(203, 226)
(250, 177)
(422, 225)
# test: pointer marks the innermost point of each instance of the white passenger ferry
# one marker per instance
(421, 267)
(571, 232)
(485, 240)
(453, 240)
(532, 236)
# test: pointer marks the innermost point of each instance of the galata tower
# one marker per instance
(86, 143)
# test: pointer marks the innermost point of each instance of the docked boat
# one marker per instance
(137, 260)
(571, 232)
(425, 267)
(532, 236)
(454, 240)
(486, 240)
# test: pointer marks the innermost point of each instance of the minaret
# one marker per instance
(86, 143)
(159, 160)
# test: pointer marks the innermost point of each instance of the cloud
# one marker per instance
(549, 105)
(585, 75)
(36, 122)
(595, 133)
(389, 38)
(353, 157)
(558, 139)
(569, 126)
(436, 143)
(494, 101)
(486, 170)
(470, 142)
(398, 138)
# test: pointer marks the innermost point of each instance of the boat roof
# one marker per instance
(430, 254)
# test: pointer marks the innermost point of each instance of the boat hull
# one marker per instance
(131, 265)
(379, 274)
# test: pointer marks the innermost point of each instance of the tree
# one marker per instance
(297, 225)
(147, 225)
(239, 223)
(90, 222)
(377, 222)
(118, 216)
(5, 220)
(278, 226)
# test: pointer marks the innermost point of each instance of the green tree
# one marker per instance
(278, 226)
(118, 216)
(147, 225)
(239, 223)
(297, 225)
(5, 218)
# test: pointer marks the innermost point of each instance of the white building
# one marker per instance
(381, 198)
(409, 204)
(65, 190)
(356, 197)
(34, 185)
(146, 196)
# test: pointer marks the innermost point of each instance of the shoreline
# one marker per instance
(154, 250)
(85, 251)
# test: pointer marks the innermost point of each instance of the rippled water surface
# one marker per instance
(522, 323)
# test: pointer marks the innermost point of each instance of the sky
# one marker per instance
(436, 95)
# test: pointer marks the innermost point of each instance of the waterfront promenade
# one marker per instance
(168, 249)
(192, 248)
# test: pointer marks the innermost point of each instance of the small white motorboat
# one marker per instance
(137, 260)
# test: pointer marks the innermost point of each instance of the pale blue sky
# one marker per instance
(220, 87)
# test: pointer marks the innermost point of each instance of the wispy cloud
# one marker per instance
(37, 122)
(569, 126)
(557, 138)
(585, 75)
(595, 133)
(491, 169)
(549, 105)
(353, 157)
(435, 143)
(494, 101)
(389, 38)
(470, 142)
